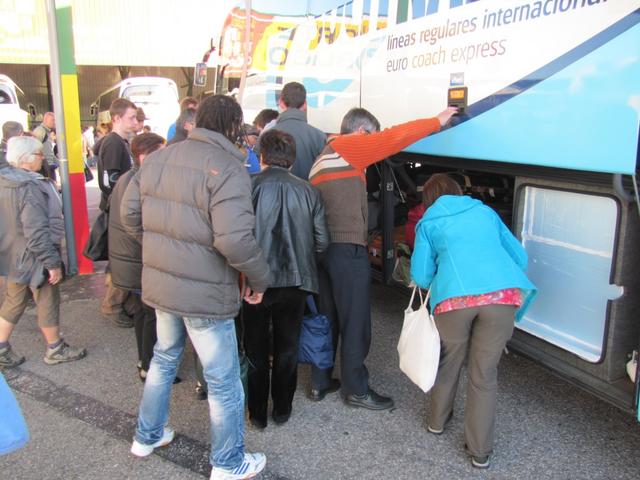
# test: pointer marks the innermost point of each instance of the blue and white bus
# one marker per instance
(549, 138)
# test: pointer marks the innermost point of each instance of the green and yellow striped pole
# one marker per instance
(64, 82)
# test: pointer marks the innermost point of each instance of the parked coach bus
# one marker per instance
(12, 104)
(548, 136)
(157, 96)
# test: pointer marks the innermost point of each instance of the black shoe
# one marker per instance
(259, 424)
(370, 400)
(281, 419)
(317, 395)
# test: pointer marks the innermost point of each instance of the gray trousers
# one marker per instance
(483, 332)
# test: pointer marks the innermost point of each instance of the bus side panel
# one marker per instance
(555, 89)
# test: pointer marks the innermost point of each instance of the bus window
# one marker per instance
(159, 99)
(104, 102)
(149, 94)
(156, 95)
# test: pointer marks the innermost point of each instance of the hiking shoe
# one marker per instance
(252, 465)
(8, 359)
(480, 462)
(142, 450)
(63, 353)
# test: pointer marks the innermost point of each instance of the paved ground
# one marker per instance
(81, 416)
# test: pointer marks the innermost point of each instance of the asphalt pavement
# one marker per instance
(81, 416)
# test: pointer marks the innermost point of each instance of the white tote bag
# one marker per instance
(419, 344)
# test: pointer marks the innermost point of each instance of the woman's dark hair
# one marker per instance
(187, 115)
(439, 184)
(144, 144)
(221, 114)
(277, 148)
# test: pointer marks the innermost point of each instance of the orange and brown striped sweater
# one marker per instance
(339, 174)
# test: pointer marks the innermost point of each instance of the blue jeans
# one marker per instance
(216, 345)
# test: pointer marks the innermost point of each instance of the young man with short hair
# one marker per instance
(114, 159)
(115, 152)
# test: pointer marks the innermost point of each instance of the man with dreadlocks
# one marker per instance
(190, 204)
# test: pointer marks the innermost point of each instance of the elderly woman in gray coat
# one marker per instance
(31, 233)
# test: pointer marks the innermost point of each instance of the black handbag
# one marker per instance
(88, 174)
(97, 247)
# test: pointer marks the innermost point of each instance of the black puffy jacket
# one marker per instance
(125, 252)
(290, 227)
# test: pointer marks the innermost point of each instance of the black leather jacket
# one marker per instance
(290, 227)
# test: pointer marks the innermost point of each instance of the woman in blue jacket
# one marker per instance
(475, 269)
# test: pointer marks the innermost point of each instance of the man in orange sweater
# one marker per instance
(345, 277)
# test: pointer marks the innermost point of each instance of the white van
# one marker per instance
(157, 96)
(11, 101)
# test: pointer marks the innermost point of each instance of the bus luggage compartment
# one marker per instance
(582, 243)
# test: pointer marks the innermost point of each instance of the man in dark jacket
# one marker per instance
(291, 229)
(191, 206)
(309, 140)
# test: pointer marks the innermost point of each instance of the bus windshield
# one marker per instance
(150, 94)
(7, 96)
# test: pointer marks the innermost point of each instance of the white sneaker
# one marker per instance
(252, 465)
(142, 450)
(632, 366)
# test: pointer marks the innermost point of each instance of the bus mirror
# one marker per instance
(93, 110)
(31, 108)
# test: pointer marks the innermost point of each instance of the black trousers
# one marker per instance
(345, 289)
(285, 308)
(144, 324)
